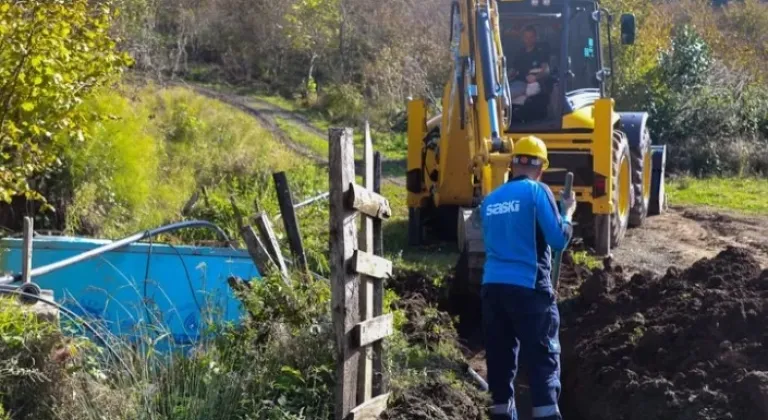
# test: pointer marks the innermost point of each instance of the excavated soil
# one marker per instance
(427, 306)
(429, 326)
(435, 400)
(686, 345)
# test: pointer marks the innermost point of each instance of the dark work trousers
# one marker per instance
(516, 318)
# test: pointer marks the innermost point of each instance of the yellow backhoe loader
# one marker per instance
(460, 155)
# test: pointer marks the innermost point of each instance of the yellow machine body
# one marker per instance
(463, 153)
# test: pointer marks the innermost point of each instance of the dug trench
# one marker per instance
(688, 344)
(440, 316)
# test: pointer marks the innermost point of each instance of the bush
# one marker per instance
(343, 103)
(52, 55)
(34, 361)
(711, 116)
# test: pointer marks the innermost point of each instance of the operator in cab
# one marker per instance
(530, 65)
(521, 226)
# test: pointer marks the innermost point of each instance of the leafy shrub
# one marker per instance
(52, 55)
(34, 361)
(343, 103)
(711, 116)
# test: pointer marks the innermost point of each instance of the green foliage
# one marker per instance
(148, 155)
(52, 54)
(687, 61)
(343, 103)
(711, 116)
(313, 24)
(35, 358)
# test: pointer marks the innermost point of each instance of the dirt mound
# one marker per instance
(446, 391)
(409, 283)
(436, 400)
(687, 345)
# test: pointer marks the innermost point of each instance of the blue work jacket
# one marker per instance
(521, 225)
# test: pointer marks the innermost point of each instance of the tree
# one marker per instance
(52, 54)
(313, 29)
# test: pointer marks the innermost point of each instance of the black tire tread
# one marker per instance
(620, 152)
(639, 209)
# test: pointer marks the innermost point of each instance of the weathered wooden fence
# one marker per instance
(357, 274)
(357, 270)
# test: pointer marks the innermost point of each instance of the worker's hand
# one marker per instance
(570, 204)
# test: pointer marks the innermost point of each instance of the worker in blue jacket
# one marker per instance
(521, 226)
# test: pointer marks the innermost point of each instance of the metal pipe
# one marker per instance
(434, 121)
(11, 278)
(476, 376)
(307, 202)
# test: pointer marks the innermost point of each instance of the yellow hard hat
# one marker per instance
(531, 146)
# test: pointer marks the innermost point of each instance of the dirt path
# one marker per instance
(684, 235)
(264, 118)
(270, 110)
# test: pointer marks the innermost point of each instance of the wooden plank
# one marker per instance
(371, 266)
(270, 240)
(289, 219)
(26, 251)
(363, 265)
(378, 237)
(368, 202)
(372, 330)
(379, 380)
(257, 250)
(345, 293)
(370, 409)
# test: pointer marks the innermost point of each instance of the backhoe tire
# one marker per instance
(642, 171)
(615, 229)
(415, 228)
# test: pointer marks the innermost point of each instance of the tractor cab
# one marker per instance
(569, 43)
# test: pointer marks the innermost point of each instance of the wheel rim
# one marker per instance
(647, 171)
(624, 186)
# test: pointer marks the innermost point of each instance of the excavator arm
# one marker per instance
(472, 155)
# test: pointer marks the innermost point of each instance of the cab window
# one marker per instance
(583, 51)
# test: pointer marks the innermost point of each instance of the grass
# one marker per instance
(391, 145)
(436, 260)
(746, 195)
(152, 153)
(303, 137)
(585, 259)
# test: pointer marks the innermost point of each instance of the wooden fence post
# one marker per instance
(266, 257)
(364, 385)
(26, 252)
(379, 381)
(356, 325)
(273, 246)
(288, 214)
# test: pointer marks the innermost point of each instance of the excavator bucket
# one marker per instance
(472, 248)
